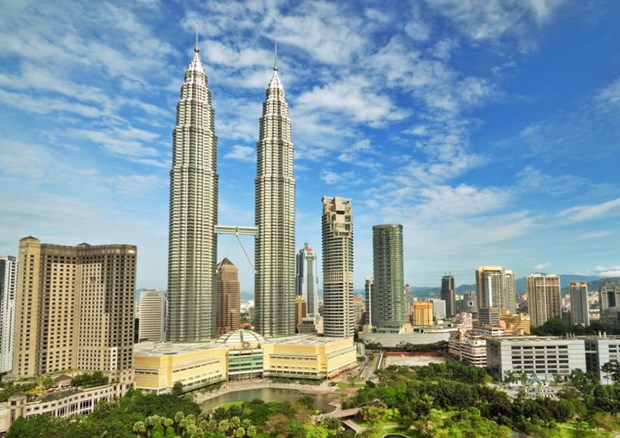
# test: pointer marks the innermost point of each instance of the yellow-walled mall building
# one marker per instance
(241, 354)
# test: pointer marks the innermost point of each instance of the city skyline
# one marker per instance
(493, 125)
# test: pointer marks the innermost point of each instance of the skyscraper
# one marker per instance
(228, 297)
(496, 288)
(337, 234)
(8, 288)
(448, 294)
(579, 307)
(192, 248)
(275, 217)
(609, 294)
(151, 316)
(75, 309)
(307, 280)
(543, 298)
(388, 299)
(368, 290)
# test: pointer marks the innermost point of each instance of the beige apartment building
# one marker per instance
(74, 309)
(543, 298)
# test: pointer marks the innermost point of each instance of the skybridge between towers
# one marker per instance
(239, 231)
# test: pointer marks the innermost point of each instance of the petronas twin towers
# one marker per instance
(193, 215)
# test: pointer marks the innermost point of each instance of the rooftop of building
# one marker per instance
(170, 348)
(234, 338)
(304, 339)
(535, 339)
(240, 336)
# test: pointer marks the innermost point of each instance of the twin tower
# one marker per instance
(192, 253)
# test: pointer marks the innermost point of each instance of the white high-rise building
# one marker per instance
(193, 212)
(151, 316)
(439, 310)
(275, 217)
(8, 289)
(307, 280)
(337, 232)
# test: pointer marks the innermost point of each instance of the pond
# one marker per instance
(321, 401)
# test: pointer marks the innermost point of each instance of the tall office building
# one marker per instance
(543, 298)
(307, 280)
(609, 294)
(151, 316)
(192, 247)
(275, 217)
(579, 307)
(448, 294)
(8, 288)
(228, 297)
(368, 290)
(496, 288)
(75, 309)
(388, 299)
(337, 233)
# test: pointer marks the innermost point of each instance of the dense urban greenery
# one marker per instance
(440, 399)
(171, 416)
(112, 420)
(561, 327)
(87, 380)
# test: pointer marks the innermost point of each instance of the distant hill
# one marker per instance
(520, 284)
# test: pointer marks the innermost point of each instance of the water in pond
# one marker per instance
(321, 401)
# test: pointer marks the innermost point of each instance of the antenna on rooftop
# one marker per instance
(196, 45)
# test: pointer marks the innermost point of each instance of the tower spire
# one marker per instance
(275, 56)
(196, 49)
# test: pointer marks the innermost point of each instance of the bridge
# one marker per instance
(237, 231)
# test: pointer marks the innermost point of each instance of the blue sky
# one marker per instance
(489, 128)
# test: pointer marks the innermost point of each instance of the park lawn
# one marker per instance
(572, 430)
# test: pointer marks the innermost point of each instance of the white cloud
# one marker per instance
(137, 185)
(342, 179)
(542, 266)
(122, 142)
(584, 213)
(596, 234)
(608, 98)
(607, 271)
(532, 179)
(493, 19)
(354, 99)
(241, 153)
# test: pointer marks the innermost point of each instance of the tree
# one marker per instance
(140, 428)
(177, 388)
(612, 370)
